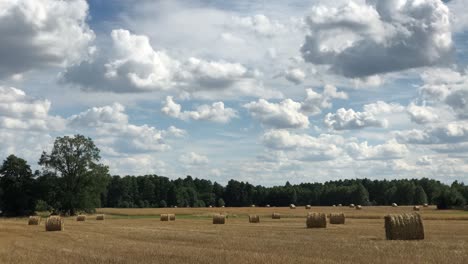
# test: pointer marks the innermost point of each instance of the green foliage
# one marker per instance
(17, 185)
(450, 198)
(82, 179)
(420, 196)
(42, 206)
(221, 202)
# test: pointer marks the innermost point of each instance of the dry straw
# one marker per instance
(100, 217)
(275, 216)
(34, 220)
(164, 217)
(404, 227)
(308, 206)
(54, 223)
(358, 207)
(171, 217)
(292, 206)
(416, 208)
(394, 205)
(81, 218)
(316, 220)
(254, 219)
(337, 219)
(219, 219)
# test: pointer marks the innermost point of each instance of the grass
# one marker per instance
(137, 236)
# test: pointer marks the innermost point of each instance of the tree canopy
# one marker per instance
(72, 180)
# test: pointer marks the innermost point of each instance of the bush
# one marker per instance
(450, 198)
(42, 206)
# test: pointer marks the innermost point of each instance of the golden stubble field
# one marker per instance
(137, 236)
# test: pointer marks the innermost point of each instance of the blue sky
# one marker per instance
(259, 91)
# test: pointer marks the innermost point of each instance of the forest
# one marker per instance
(71, 180)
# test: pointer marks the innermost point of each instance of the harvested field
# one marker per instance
(138, 236)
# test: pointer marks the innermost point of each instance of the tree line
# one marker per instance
(72, 180)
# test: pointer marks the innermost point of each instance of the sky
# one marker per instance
(258, 91)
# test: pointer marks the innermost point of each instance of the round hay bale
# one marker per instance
(223, 206)
(254, 219)
(404, 227)
(337, 218)
(219, 219)
(416, 208)
(308, 207)
(351, 206)
(175, 206)
(394, 205)
(275, 216)
(81, 218)
(292, 206)
(210, 206)
(164, 217)
(100, 217)
(54, 223)
(253, 205)
(267, 205)
(171, 217)
(333, 205)
(316, 220)
(358, 207)
(425, 205)
(34, 220)
(339, 205)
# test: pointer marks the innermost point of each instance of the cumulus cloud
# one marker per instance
(111, 129)
(389, 150)
(315, 102)
(258, 24)
(132, 65)
(214, 113)
(193, 159)
(42, 33)
(422, 114)
(349, 119)
(453, 132)
(19, 111)
(323, 147)
(448, 87)
(295, 75)
(360, 40)
(285, 114)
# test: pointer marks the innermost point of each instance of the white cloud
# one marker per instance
(193, 159)
(315, 102)
(372, 116)
(19, 111)
(42, 33)
(453, 132)
(214, 113)
(446, 86)
(349, 119)
(359, 40)
(258, 24)
(111, 129)
(285, 114)
(295, 75)
(132, 65)
(422, 114)
(305, 147)
(389, 150)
